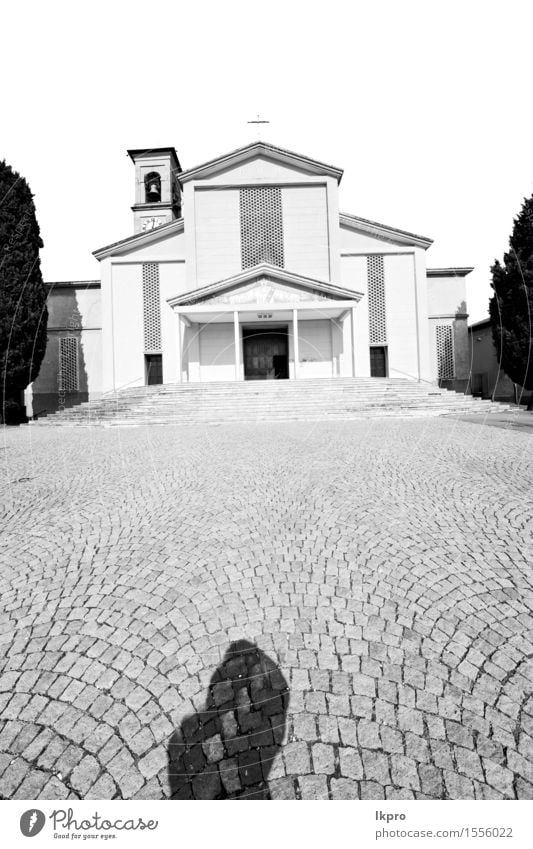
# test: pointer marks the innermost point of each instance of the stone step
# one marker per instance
(325, 399)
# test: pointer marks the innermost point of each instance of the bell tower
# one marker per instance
(157, 189)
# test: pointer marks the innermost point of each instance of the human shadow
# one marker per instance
(226, 751)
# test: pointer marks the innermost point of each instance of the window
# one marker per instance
(68, 364)
(151, 308)
(377, 324)
(445, 358)
(152, 187)
(261, 226)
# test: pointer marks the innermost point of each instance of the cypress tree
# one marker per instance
(23, 311)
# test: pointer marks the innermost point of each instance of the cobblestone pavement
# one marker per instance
(375, 572)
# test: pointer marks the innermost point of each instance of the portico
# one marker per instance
(265, 324)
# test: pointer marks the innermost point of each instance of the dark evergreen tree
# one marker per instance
(23, 312)
(511, 307)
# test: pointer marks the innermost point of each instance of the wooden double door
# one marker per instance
(265, 353)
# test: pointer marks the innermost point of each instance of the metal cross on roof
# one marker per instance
(258, 121)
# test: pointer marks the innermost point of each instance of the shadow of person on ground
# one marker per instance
(226, 751)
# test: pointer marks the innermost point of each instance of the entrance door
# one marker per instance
(153, 369)
(378, 361)
(265, 353)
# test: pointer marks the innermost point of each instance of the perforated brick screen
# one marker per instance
(151, 308)
(68, 364)
(261, 226)
(376, 300)
(445, 358)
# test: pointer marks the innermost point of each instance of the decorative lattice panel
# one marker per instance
(261, 226)
(376, 300)
(68, 364)
(445, 359)
(151, 308)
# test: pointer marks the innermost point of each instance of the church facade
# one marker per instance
(244, 268)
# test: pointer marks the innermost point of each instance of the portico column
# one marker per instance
(352, 328)
(295, 342)
(178, 335)
(237, 339)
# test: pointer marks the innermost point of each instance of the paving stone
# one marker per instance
(282, 788)
(328, 729)
(404, 772)
(351, 765)
(323, 758)
(344, 788)
(457, 786)
(313, 787)
(104, 788)
(469, 763)
(305, 726)
(84, 774)
(368, 735)
(297, 761)
(348, 732)
(416, 748)
(431, 781)
(376, 767)
(499, 778)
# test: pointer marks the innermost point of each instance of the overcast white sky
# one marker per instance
(426, 105)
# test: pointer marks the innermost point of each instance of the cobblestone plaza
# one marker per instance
(277, 611)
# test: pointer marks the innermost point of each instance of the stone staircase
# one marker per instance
(327, 399)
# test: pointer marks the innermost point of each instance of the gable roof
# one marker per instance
(264, 270)
(253, 150)
(448, 272)
(383, 231)
(139, 240)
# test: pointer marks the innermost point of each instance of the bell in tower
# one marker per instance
(152, 184)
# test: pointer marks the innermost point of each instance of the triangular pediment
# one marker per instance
(265, 285)
(260, 151)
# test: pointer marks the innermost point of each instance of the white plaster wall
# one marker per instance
(305, 230)
(91, 346)
(218, 238)
(169, 247)
(127, 311)
(108, 371)
(354, 277)
(216, 352)
(171, 283)
(446, 295)
(315, 343)
(419, 262)
(74, 306)
(401, 317)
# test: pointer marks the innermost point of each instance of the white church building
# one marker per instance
(244, 268)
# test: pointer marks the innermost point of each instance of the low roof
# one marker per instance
(73, 284)
(403, 237)
(140, 239)
(258, 148)
(477, 325)
(448, 272)
(154, 151)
